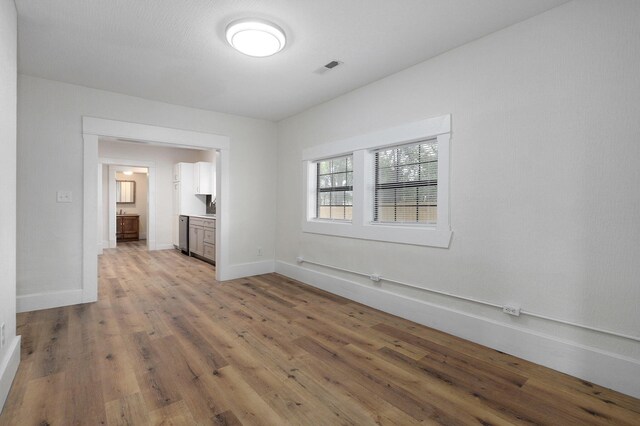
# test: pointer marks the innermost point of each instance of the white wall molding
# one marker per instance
(100, 226)
(154, 134)
(90, 216)
(8, 368)
(248, 269)
(223, 198)
(604, 368)
(54, 299)
(111, 207)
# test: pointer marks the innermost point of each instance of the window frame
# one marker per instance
(362, 225)
(398, 184)
(331, 190)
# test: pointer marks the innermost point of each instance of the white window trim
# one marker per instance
(362, 226)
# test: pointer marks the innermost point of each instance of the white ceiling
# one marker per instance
(175, 51)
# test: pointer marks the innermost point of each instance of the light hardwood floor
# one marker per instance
(167, 344)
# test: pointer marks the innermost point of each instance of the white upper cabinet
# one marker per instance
(177, 172)
(185, 200)
(203, 174)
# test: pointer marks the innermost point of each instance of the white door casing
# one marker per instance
(92, 129)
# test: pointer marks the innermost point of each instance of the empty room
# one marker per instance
(301, 212)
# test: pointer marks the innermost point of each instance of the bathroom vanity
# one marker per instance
(127, 227)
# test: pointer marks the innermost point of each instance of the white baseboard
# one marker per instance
(8, 368)
(54, 299)
(242, 270)
(604, 368)
(164, 246)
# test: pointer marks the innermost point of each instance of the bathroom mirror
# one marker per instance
(125, 191)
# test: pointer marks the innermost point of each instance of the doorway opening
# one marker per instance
(143, 192)
(135, 142)
(129, 207)
(126, 202)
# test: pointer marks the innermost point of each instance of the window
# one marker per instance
(406, 183)
(391, 185)
(334, 188)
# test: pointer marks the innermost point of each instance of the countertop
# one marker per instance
(203, 216)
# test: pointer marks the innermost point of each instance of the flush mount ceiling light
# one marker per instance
(255, 37)
(128, 173)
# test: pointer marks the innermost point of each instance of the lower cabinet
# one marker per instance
(210, 251)
(196, 240)
(127, 227)
(202, 238)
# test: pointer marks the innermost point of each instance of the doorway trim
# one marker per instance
(92, 129)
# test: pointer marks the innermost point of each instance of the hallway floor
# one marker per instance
(167, 344)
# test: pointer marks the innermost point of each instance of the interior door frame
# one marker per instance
(92, 129)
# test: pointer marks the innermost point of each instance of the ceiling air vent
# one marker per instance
(327, 67)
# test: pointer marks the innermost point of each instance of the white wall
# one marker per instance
(50, 148)
(10, 351)
(544, 184)
(164, 159)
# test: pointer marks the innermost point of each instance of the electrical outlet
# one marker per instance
(64, 197)
(2, 335)
(511, 310)
(259, 251)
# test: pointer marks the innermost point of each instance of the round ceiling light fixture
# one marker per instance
(255, 37)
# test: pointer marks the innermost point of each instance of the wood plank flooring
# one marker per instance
(167, 344)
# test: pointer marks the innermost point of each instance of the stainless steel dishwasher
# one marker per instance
(183, 234)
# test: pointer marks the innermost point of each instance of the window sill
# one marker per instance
(412, 234)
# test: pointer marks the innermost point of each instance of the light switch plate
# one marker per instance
(64, 197)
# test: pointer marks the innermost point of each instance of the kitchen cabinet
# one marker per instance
(177, 171)
(203, 173)
(196, 240)
(185, 201)
(209, 240)
(202, 238)
(127, 227)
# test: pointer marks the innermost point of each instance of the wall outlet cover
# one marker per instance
(64, 197)
(511, 310)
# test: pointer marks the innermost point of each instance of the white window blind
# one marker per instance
(406, 183)
(334, 188)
